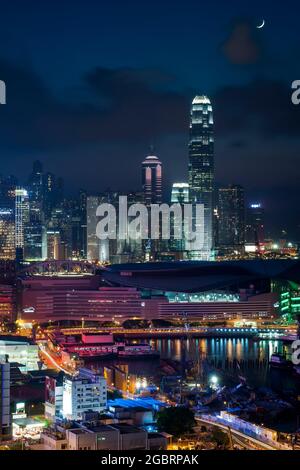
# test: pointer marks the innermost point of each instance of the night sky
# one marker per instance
(92, 84)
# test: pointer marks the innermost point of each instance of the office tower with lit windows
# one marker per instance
(231, 218)
(100, 250)
(152, 190)
(35, 243)
(21, 217)
(52, 193)
(49, 193)
(201, 168)
(255, 225)
(7, 234)
(131, 249)
(7, 192)
(36, 182)
(179, 195)
(5, 417)
(152, 180)
(54, 245)
(83, 224)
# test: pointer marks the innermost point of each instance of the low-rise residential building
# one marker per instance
(85, 392)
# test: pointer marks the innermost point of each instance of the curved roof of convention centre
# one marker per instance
(196, 276)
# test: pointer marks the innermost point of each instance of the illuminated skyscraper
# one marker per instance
(179, 195)
(201, 167)
(152, 180)
(35, 182)
(255, 225)
(231, 218)
(5, 418)
(7, 192)
(21, 216)
(35, 244)
(152, 191)
(7, 234)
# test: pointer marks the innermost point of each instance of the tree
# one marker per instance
(160, 323)
(176, 420)
(136, 324)
(220, 437)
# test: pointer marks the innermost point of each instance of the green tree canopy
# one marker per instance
(176, 420)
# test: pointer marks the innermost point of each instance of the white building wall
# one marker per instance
(81, 394)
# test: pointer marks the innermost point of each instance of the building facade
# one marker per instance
(179, 195)
(20, 350)
(21, 216)
(7, 234)
(231, 218)
(255, 236)
(201, 168)
(152, 180)
(85, 392)
(5, 417)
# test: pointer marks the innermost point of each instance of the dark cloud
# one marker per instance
(119, 112)
(139, 107)
(122, 105)
(262, 106)
(242, 45)
(127, 105)
(237, 144)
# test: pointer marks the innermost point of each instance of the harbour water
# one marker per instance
(227, 357)
(232, 357)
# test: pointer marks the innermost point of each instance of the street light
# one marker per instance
(214, 382)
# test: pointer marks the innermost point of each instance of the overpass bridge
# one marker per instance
(183, 332)
(245, 440)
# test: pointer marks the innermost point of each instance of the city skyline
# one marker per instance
(91, 103)
(149, 230)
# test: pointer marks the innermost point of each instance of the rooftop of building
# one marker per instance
(201, 99)
(130, 408)
(78, 431)
(156, 435)
(54, 434)
(25, 422)
(124, 428)
(200, 276)
(35, 374)
(101, 428)
(148, 403)
(152, 159)
(180, 185)
(13, 339)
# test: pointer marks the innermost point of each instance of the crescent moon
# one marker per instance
(262, 25)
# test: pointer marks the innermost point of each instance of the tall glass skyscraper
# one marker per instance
(231, 218)
(179, 195)
(201, 168)
(35, 243)
(255, 216)
(21, 216)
